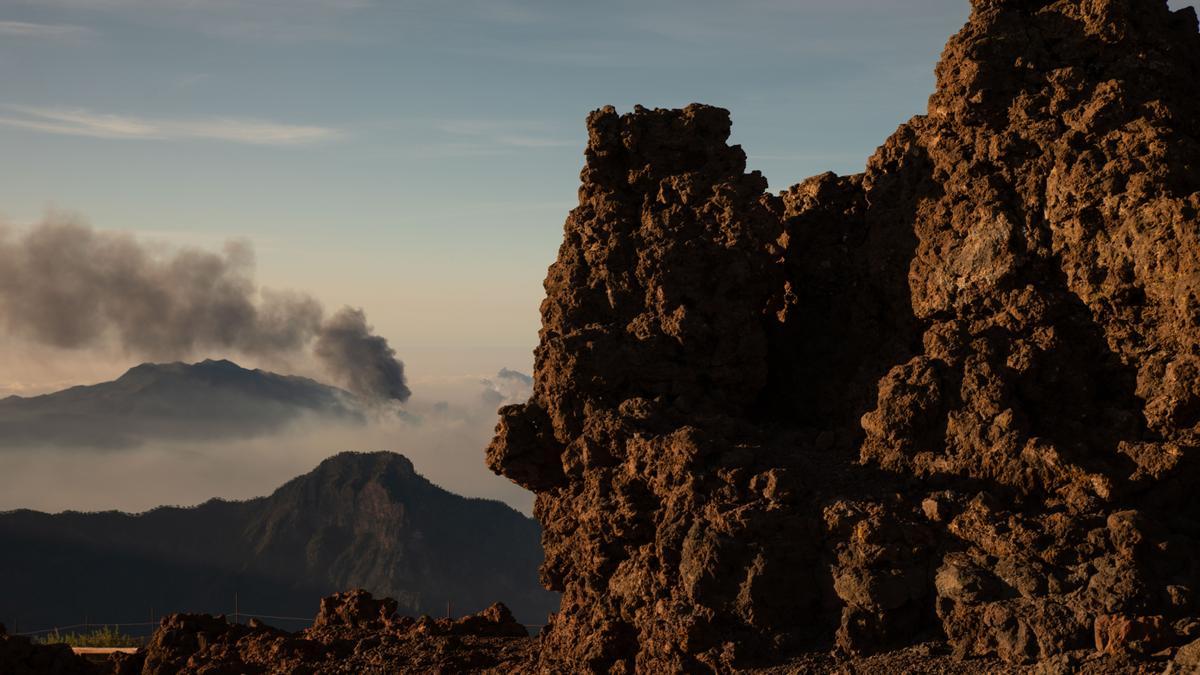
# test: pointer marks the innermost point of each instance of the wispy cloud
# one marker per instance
(272, 31)
(191, 80)
(275, 21)
(500, 134)
(507, 11)
(82, 122)
(202, 5)
(41, 30)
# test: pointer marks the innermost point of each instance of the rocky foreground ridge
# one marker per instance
(955, 397)
(352, 633)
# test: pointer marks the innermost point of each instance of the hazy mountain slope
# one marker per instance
(357, 520)
(176, 401)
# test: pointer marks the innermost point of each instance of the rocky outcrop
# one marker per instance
(359, 609)
(353, 633)
(22, 656)
(956, 396)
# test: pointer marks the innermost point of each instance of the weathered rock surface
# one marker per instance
(353, 633)
(21, 656)
(954, 397)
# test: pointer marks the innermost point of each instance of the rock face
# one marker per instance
(956, 396)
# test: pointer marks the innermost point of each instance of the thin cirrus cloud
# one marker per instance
(500, 134)
(82, 122)
(202, 5)
(40, 30)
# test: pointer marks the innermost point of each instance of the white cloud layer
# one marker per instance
(445, 439)
(83, 122)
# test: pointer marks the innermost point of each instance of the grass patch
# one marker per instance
(107, 636)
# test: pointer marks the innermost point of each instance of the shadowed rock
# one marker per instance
(353, 633)
(955, 397)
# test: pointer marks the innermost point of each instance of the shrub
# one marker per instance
(107, 636)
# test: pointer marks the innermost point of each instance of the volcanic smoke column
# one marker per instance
(364, 363)
(66, 285)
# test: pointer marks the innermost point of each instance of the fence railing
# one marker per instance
(144, 629)
(238, 617)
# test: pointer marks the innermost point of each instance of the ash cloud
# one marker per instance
(67, 285)
(363, 362)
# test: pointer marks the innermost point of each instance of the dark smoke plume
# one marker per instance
(362, 361)
(65, 284)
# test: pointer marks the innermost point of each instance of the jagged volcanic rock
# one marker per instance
(21, 656)
(353, 633)
(956, 396)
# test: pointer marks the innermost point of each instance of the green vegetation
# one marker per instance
(108, 636)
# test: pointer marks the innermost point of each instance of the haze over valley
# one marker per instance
(187, 440)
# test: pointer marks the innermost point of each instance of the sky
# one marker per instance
(417, 158)
(414, 158)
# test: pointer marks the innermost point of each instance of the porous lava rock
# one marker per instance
(954, 397)
(353, 633)
(20, 655)
(356, 608)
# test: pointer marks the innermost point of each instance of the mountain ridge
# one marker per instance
(209, 400)
(357, 520)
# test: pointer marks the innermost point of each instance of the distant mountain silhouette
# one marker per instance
(357, 520)
(211, 400)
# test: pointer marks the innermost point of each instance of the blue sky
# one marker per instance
(417, 158)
